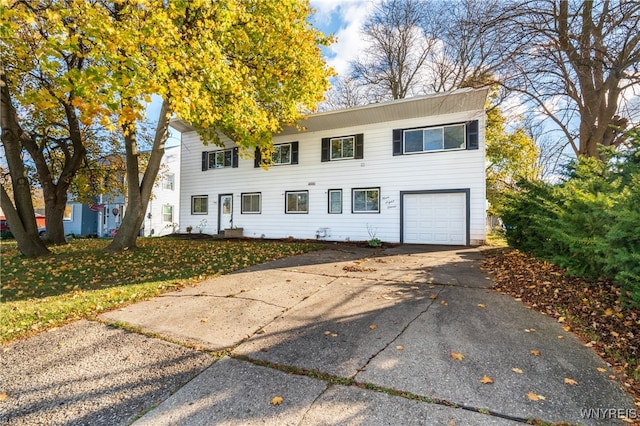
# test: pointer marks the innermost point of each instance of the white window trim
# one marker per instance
(169, 182)
(286, 202)
(464, 134)
(353, 200)
(242, 203)
(163, 213)
(290, 145)
(353, 142)
(329, 200)
(214, 153)
(193, 197)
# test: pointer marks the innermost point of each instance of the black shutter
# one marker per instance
(472, 134)
(257, 158)
(359, 151)
(294, 152)
(397, 141)
(234, 157)
(326, 144)
(205, 161)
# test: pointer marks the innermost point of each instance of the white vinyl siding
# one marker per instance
(379, 168)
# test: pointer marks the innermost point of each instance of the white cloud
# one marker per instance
(346, 19)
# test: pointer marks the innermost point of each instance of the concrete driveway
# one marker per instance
(347, 335)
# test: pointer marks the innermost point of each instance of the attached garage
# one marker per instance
(435, 217)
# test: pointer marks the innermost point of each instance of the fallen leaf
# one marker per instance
(433, 297)
(456, 355)
(204, 319)
(602, 370)
(570, 381)
(535, 397)
(482, 305)
(516, 370)
(608, 312)
(534, 352)
(276, 400)
(567, 328)
(530, 330)
(612, 377)
(486, 380)
(432, 286)
(400, 347)
(444, 303)
(562, 319)
(373, 326)
(3, 396)
(560, 337)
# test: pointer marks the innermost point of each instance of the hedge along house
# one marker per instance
(404, 171)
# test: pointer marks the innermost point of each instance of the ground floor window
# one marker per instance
(366, 200)
(335, 201)
(251, 203)
(167, 213)
(199, 204)
(297, 202)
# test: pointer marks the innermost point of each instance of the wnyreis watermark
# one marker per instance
(608, 413)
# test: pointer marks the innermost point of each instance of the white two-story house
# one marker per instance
(404, 171)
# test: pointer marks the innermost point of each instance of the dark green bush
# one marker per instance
(589, 223)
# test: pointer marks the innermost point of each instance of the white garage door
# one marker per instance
(438, 218)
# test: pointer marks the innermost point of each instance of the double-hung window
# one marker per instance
(251, 203)
(335, 201)
(296, 201)
(167, 213)
(168, 183)
(365, 200)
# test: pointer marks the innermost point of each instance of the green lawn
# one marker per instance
(80, 281)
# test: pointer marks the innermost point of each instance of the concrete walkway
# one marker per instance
(339, 335)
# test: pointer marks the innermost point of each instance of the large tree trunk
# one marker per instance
(21, 217)
(139, 193)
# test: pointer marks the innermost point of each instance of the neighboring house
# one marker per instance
(408, 171)
(103, 217)
(163, 211)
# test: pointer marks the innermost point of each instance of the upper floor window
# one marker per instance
(436, 138)
(220, 159)
(168, 182)
(283, 153)
(343, 147)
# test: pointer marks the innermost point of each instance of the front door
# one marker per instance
(225, 212)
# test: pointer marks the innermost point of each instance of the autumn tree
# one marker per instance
(55, 88)
(242, 68)
(581, 58)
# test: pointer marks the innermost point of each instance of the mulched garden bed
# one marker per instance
(593, 311)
